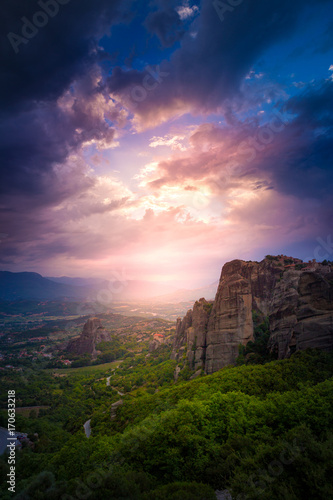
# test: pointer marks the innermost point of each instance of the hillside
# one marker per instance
(205, 412)
(20, 286)
(250, 432)
(26, 285)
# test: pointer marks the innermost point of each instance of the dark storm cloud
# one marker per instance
(34, 141)
(35, 133)
(215, 56)
(314, 105)
(304, 164)
(51, 96)
(166, 25)
(61, 50)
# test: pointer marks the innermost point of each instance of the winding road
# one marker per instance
(86, 425)
(87, 428)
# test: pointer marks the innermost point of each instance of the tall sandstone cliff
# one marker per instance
(191, 334)
(296, 298)
(92, 334)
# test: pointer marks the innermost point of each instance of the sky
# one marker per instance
(162, 138)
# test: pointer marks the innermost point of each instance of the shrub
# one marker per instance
(182, 491)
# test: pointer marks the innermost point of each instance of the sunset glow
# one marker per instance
(167, 147)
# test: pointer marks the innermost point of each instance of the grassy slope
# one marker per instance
(219, 429)
(255, 380)
(85, 370)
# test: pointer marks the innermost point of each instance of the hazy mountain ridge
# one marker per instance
(29, 285)
(67, 280)
(26, 285)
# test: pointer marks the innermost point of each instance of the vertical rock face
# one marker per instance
(297, 299)
(181, 335)
(243, 287)
(92, 334)
(283, 313)
(302, 312)
(196, 334)
(191, 334)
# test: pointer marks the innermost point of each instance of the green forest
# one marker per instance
(257, 430)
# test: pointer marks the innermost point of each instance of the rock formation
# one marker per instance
(301, 313)
(296, 298)
(191, 333)
(92, 334)
(158, 340)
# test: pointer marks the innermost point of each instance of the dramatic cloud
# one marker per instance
(166, 25)
(163, 136)
(291, 151)
(208, 69)
(56, 53)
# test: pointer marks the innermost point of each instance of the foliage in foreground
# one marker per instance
(260, 431)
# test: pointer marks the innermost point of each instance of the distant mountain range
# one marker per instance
(26, 285)
(66, 280)
(18, 286)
